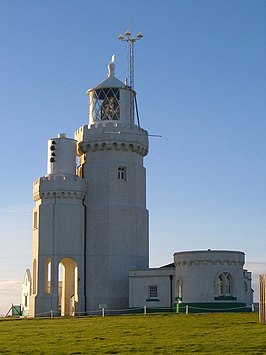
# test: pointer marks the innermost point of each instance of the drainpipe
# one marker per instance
(171, 290)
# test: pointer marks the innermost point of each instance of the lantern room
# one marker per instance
(111, 100)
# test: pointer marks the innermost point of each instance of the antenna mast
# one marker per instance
(130, 74)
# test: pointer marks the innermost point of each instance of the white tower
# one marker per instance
(111, 153)
(58, 234)
(90, 224)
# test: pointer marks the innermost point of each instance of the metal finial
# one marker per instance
(111, 66)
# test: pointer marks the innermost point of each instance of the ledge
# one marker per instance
(152, 300)
(225, 298)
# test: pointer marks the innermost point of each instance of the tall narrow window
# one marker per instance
(220, 285)
(153, 291)
(47, 278)
(35, 220)
(228, 284)
(121, 173)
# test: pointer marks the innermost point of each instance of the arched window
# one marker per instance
(228, 284)
(47, 276)
(220, 285)
(224, 284)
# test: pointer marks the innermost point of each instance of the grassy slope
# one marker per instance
(150, 334)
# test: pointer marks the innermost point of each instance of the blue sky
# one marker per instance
(200, 77)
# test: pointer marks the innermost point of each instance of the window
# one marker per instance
(121, 173)
(220, 285)
(106, 104)
(224, 284)
(47, 275)
(228, 284)
(35, 220)
(26, 300)
(153, 291)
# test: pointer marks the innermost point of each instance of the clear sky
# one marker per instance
(200, 76)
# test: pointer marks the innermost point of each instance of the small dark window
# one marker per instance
(52, 160)
(153, 291)
(121, 173)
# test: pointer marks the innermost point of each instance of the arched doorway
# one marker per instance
(68, 286)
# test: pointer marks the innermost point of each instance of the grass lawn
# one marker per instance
(222, 333)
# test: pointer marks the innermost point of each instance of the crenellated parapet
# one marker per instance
(207, 262)
(60, 186)
(209, 258)
(112, 136)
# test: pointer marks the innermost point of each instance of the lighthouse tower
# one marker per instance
(111, 150)
(90, 222)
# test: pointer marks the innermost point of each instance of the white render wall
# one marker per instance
(58, 231)
(139, 282)
(117, 218)
(198, 272)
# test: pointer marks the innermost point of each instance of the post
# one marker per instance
(102, 312)
(177, 307)
(52, 313)
(186, 308)
(145, 309)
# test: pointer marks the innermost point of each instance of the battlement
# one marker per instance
(59, 185)
(209, 257)
(112, 136)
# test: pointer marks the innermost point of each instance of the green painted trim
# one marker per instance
(152, 300)
(225, 298)
(213, 307)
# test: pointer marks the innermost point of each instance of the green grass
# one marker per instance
(227, 333)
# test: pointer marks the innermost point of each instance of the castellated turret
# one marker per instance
(58, 233)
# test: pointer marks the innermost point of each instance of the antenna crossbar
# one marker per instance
(130, 74)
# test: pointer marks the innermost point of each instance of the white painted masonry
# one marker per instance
(90, 239)
(206, 276)
(90, 223)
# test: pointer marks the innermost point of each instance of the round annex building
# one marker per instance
(212, 276)
(201, 280)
